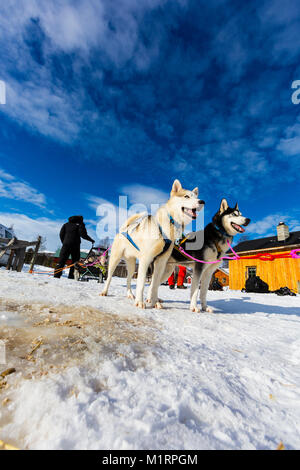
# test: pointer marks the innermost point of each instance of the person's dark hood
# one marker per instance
(76, 219)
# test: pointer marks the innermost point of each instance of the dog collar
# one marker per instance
(222, 231)
(173, 221)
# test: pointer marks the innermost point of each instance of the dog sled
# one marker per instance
(93, 267)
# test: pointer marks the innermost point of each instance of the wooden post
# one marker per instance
(11, 242)
(10, 259)
(37, 247)
(16, 260)
(21, 259)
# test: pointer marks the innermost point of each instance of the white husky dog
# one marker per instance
(152, 239)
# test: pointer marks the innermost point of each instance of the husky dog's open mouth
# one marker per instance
(237, 227)
(190, 212)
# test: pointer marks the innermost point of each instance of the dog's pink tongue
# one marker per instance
(239, 228)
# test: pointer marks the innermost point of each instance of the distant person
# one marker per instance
(70, 235)
(180, 279)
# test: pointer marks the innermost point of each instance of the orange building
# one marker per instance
(222, 277)
(277, 273)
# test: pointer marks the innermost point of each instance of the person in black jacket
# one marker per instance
(70, 235)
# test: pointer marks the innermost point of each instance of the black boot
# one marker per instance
(172, 286)
(181, 287)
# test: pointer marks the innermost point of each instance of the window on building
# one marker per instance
(251, 271)
(7, 234)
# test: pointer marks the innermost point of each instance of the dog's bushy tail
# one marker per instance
(131, 220)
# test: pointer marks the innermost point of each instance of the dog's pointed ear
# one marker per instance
(176, 187)
(223, 206)
(236, 207)
(196, 191)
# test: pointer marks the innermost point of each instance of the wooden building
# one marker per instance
(277, 273)
(222, 276)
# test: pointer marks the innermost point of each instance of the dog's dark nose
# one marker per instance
(247, 222)
(200, 201)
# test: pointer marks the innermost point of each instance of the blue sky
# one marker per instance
(107, 98)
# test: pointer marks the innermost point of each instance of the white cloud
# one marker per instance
(267, 225)
(28, 228)
(147, 195)
(290, 147)
(109, 216)
(71, 27)
(11, 188)
(5, 176)
(42, 102)
(95, 201)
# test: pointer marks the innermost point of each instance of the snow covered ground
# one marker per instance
(97, 373)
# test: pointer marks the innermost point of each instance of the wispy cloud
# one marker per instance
(29, 228)
(110, 217)
(5, 176)
(12, 188)
(141, 194)
(267, 225)
(37, 37)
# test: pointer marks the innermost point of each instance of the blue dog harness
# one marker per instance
(167, 241)
(126, 235)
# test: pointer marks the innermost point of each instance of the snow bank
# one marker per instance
(152, 379)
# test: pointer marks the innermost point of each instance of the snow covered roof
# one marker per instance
(224, 270)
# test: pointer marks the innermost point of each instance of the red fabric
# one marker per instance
(181, 275)
(171, 280)
(180, 278)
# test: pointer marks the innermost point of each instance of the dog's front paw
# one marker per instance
(195, 309)
(130, 295)
(159, 305)
(149, 301)
(140, 304)
(207, 309)
(103, 294)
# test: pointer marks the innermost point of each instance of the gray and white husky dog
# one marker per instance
(226, 223)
